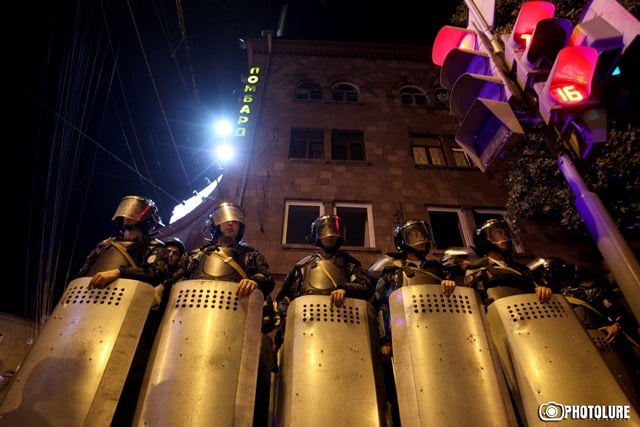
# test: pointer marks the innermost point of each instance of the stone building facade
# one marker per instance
(362, 130)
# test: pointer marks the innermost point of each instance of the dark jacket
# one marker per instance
(143, 259)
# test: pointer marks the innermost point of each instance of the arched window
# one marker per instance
(344, 92)
(308, 91)
(411, 95)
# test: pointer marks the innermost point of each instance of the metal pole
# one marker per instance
(612, 246)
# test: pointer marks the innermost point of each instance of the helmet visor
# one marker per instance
(415, 235)
(498, 233)
(328, 227)
(133, 207)
(226, 213)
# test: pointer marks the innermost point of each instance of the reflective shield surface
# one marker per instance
(76, 370)
(203, 366)
(329, 375)
(551, 361)
(443, 360)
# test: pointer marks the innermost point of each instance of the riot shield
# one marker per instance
(443, 360)
(330, 372)
(550, 361)
(78, 365)
(203, 366)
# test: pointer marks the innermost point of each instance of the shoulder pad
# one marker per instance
(304, 261)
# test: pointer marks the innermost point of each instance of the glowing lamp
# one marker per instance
(530, 14)
(570, 79)
(449, 38)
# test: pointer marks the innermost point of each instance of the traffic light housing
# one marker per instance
(478, 95)
(532, 46)
(489, 130)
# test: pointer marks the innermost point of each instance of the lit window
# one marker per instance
(347, 145)
(460, 158)
(427, 150)
(344, 92)
(358, 221)
(306, 144)
(299, 215)
(309, 91)
(410, 95)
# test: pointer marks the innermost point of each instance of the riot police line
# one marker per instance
(503, 363)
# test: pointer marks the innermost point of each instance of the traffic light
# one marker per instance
(479, 95)
(576, 80)
(536, 39)
(489, 130)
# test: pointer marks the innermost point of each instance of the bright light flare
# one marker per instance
(224, 152)
(223, 128)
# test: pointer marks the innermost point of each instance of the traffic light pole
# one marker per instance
(611, 244)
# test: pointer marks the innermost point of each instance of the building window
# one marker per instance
(427, 150)
(460, 158)
(299, 215)
(447, 228)
(308, 91)
(347, 145)
(358, 221)
(480, 216)
(410, 95)
(344, 92)
(306, 144)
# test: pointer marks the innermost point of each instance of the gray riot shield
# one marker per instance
(443, 360)
(203, 366)
(552, 366)
(330, 370)
(617, 365)
(78, 365)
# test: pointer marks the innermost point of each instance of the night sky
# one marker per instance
(107, 99)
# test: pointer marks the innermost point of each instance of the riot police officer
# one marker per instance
(497, 268)
(408, 266)
(332, 271)
(133, 254)
(228, 258)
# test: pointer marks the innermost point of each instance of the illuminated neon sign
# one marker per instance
(250, 89)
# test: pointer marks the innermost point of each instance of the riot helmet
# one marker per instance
(493, 235)
(140, 209)
(327, 226)
(226, 212)
(412, 236)
(177, 242)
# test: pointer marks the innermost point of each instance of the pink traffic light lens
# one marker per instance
(570, 79)
(449, 38)
(530, 14)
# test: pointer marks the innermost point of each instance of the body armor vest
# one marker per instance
(320, 275)
(215, 266)
(111, 257)
(506, 276)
